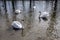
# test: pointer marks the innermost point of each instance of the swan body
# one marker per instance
(16, 25)
(17, 11)
(44, 14)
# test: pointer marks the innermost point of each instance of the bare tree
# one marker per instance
(0, 10)
(6, 14)
(14, 16)
(30, 9)
(23, 5)
(55, 6)
(51, 28)
(30, 5)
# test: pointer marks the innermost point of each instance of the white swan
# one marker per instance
(44, 15)
(17, 11)
(34, 7)
(16, 25)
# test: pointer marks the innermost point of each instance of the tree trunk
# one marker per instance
(55, 6)
(14, 16)
(6, 14)
(23, 5)
(30, 5)
(0, 11)
(51, 28)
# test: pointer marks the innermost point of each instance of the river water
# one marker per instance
(33, 29)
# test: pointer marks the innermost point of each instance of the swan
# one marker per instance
(17, 11)
(44, 15)
(34, 7)
(16, 25)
